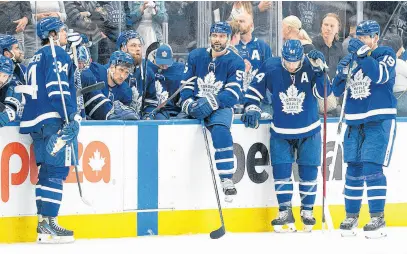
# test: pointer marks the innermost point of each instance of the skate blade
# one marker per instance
(51, 239)
(228, 198)
(307, 228)
(375, 234)
(348, 233)
(290, 228)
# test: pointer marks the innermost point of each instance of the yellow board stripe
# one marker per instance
(258, 219)
(23, 229)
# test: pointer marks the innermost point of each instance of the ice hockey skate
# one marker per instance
(285, 218)
(229, 189)
(48, 232)
(308, 220)
(349, 226)
(375, 228)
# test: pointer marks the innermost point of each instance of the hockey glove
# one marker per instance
(251, 116)
(8, 115)
(203, 107)
(74, 39)
(357, 47)
(55, 145)
(317, 61)
(342, 69)
(71, 130)
(122, 112)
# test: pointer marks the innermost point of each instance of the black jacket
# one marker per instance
(11, 11)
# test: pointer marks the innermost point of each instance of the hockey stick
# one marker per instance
(91, 88)
(218, 233)
(153, 46)
(162, 104)
(396, 10)
(51, 39)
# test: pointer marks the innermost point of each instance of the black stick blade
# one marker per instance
(91, 88)
(218, 233)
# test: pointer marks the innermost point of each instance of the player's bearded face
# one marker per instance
(291, 67)
(219, 41)
(18, 53)
(135, 49)
(120, 74)
(3, 79)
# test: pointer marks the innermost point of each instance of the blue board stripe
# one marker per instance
(147, 222)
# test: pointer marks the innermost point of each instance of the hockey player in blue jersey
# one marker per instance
(295, 84)
(112, 102)
(9, 93)
(44, 119)
(213, 83)
(370, 113)
(10, 112)
(132, 43)
(168, 76)
(254, 52)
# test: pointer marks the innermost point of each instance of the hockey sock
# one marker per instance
(223, 144)
(51, 196)
(283, 185)
(308, 185)
(38, 196)
(376, 186)
(353, 187)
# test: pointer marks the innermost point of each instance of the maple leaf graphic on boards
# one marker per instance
(97, 161)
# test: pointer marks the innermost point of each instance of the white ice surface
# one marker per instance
(232, 243)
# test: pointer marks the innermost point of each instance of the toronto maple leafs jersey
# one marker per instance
(294, 98)
(256, 52)
(370, 93)
(10, 96)
(167, 82)
(43, 96)
(135, 81)
(221, 76)
(118, 92)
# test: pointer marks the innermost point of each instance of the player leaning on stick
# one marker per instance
(295, 82)
(44, 117)
(370, 114)
(213, 78)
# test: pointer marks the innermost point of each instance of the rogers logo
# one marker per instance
(94, 160)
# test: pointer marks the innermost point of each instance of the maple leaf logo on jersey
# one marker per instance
(161, 95)
(292, 101)
(248, 78)
(97, 161)
(359, 86)
(209, 85)
(136, 100)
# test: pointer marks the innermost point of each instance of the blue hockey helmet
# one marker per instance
(7, 41)
(368, 27)
(292, 51)
(125, 36)
(84, 55)
(47, 25)
(121, 58)
(221, 27)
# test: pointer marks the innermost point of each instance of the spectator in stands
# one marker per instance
(14, 18)
(400, 86)
(240, 7)
(83, 18)
(235, 36)
(113, 22)
(146, 17)
(292, 30)
(352, 33)
(40, 10)
(261, 19)
(328, 41)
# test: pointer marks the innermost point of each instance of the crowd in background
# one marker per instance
(102, 22)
